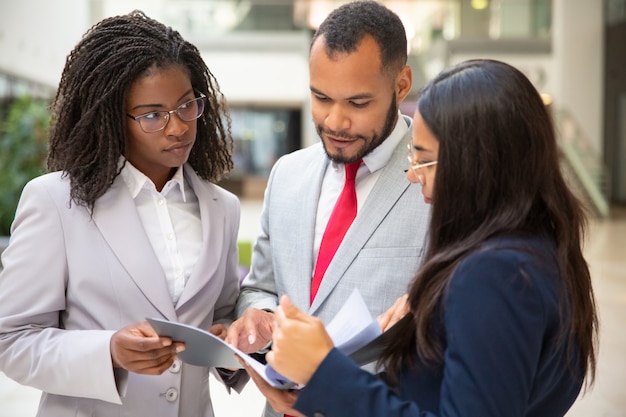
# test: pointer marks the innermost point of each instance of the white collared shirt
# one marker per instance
(171, 219)
(366, 178)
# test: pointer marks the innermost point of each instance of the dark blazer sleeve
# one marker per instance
(340, 388)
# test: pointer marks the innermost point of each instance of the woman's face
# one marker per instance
(159, 153)
(425, 149)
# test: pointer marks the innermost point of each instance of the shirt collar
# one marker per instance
(136, 180)
(379, 157)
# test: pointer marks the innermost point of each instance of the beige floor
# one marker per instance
(606, 254)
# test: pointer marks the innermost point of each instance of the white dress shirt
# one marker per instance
(171, 219)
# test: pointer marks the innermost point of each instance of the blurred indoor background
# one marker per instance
(572, 50)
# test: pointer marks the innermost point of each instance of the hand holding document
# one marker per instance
(353, 331)
(202, 348)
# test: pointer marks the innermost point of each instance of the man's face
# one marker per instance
(353, 103)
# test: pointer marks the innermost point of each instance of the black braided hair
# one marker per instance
(88, 135)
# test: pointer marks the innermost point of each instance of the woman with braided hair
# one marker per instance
(127, 224)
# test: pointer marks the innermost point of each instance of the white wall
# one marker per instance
(37, 35)
(578, 45)
(261, 78)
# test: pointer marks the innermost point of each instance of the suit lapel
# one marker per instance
(116, 217)
(213, 219)
(388, 189)
(314, 175)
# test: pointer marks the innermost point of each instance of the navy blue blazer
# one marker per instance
(499, 326)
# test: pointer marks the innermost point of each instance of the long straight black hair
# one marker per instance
(498, 173)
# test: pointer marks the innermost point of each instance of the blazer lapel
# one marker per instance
(213, 219)
(313, 176)
(390, 186)
(115, 216)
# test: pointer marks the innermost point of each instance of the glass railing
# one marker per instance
(582, 164)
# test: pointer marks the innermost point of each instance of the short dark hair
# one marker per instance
(345, 27)
(88, 133)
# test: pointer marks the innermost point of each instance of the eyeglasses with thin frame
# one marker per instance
(412, 157)
(157, 120)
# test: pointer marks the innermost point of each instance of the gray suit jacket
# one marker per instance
(70, 281)
(379, 255)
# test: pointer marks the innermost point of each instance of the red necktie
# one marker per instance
(340, 220)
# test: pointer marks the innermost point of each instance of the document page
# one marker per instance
(352, 328)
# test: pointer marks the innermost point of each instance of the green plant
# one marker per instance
(23, 151)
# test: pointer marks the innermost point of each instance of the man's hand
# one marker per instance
(281, 400)
(219, 330)
(137, 348)
(252, 332)
(394, 313)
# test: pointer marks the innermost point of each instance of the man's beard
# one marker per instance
(374, 141)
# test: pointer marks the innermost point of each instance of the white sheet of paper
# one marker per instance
(353, 326)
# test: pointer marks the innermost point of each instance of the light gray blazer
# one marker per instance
(379, 255)
(70, 281)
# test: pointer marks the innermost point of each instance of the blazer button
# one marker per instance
(318, 414)
(171, 395)
(175, 367)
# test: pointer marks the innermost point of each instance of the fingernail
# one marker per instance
(251, 339)
(180, 348)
